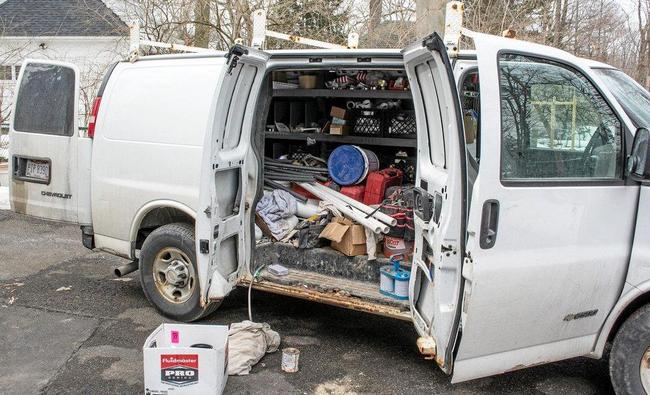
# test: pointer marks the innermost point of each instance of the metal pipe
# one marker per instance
(296, 167)
(127, 268)
(291, 176)
(358, 216)
(287, 163)
(288, 177)
(378, 215)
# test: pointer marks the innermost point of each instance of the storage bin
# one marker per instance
(402, 124)
(368, 123)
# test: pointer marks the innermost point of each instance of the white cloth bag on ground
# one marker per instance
(247, 343)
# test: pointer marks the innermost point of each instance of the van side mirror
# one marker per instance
(638, 163)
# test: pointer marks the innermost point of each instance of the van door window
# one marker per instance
(554, 123)
(471, 104)
(46, 100)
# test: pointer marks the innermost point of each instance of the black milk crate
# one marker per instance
(401, 124)
(368, 123)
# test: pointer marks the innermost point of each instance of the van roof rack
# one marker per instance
(452, 35)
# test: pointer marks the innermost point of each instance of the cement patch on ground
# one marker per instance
(35, 345)
(125, 363)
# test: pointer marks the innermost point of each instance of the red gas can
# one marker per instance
(356, 192)
(378, 181)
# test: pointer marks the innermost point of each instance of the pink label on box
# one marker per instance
(175, 337)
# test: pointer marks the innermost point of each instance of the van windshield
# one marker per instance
(632, 97)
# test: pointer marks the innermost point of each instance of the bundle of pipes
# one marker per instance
(367, 216)
(279, 170)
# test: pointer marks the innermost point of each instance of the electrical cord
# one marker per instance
(250, 288)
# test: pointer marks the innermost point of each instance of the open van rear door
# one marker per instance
(223, 238)
(49, 162)
(440, 200)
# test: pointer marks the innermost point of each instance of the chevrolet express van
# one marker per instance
(528, 250)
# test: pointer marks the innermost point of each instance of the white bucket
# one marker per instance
(371, 161)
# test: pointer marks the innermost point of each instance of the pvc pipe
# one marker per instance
(387, 219)
(378, 215)
(357, 215)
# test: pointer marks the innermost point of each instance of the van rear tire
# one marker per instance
(168, 273)
(629, 360)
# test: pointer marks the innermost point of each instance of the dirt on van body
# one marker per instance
(69, 327)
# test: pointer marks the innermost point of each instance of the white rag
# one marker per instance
(247, 343)
(278, 210)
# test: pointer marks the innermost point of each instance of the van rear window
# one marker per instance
(45, 101)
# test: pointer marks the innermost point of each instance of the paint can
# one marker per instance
(349, 164)
(290, 358)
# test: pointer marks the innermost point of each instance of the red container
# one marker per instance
(356, 192)
(298, 189)
(378, 181)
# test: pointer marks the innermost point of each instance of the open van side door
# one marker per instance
(551, 218)
(440, 200)
(223, 239)
(49, 161)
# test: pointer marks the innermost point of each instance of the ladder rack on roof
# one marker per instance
(452, 35)
(135, 42)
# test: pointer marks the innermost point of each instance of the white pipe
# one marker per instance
(303, 40)
(348, 210)
(371, 223)
(379, 216)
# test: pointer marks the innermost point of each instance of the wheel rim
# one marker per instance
(645, 371)
(173, 274)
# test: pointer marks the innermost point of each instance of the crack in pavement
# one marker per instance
(64, 365)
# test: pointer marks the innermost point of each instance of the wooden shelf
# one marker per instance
(345, 93)
(381, 141)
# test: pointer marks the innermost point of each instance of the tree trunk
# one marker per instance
(202, 23)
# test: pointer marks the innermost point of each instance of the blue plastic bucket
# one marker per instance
(349, 164)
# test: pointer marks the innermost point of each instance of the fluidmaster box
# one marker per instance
(186, 359)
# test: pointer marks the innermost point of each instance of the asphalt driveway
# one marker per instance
(68, 326)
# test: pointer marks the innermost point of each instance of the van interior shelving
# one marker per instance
(297, 122)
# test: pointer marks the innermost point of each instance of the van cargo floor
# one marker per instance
(357, 295)
(322, 260)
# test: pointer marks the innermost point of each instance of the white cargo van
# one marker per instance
(529, 250)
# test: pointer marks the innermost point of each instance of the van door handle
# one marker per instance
(489, 224)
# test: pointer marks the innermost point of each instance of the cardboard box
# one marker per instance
(340, 130)
(172, 366)
(259, 221)
(338, 112)
(346, 236)
(307, 81)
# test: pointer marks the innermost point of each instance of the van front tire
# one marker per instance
(629, 360)
(168, 273)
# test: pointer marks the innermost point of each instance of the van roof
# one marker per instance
(383, 52)
(467, 54)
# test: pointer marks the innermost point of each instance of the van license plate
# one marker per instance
(38, 170)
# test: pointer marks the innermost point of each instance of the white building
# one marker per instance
(84, 32)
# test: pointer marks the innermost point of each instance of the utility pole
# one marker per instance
(430, 17)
